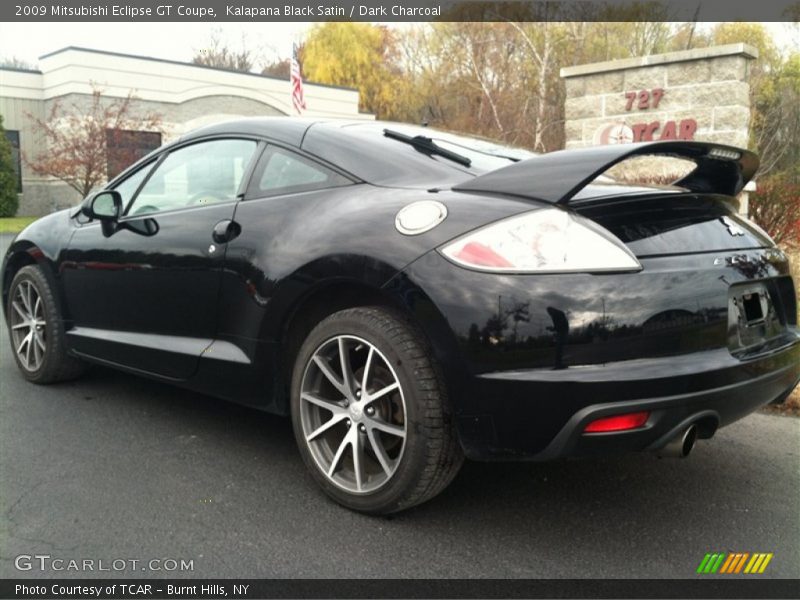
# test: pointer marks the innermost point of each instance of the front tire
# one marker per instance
(36, 330)
(370, 412)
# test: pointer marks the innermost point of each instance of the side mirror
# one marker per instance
(105, 206)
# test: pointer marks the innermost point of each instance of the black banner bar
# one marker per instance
(178, 589)
(397, 10)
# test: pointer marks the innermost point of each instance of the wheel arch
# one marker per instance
(23, 254)
(400, 294)
(446, 347)
(317, 304)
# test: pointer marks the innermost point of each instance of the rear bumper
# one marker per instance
(531, 358)
(541, 414)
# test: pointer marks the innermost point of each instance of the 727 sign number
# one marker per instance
(646, 99)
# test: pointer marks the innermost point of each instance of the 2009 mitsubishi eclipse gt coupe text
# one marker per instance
(411, 297)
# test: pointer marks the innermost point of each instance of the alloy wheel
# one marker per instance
(28, 325)
(353, 414)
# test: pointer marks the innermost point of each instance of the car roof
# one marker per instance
(356, 146)
(352, 145)
(289, 130)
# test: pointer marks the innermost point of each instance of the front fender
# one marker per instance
(41, 243)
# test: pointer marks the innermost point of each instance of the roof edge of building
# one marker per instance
(21, 70)
(186, 64)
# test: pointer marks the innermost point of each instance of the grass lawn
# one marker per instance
(15, 224)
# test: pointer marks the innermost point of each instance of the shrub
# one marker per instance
(9, 202)
(775, 206)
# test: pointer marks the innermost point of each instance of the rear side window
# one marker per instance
(281, 171)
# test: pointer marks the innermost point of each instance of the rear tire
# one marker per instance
(379, 439)
(36, 330)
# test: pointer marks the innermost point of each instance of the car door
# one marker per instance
(286, 187)
(146, 296)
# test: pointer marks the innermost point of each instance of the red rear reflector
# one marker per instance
(618, 422)
(479, 255)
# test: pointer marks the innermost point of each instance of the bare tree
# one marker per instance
(543, 53)
(480, 77)
(775, 206)
(277, 68)
(217, 53)
(14, 62)
(80, 139)
(776, 121)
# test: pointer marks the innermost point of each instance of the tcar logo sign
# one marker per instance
(615, 133)
(648, 129)
(734, 563)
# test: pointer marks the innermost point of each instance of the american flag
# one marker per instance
(298, 99)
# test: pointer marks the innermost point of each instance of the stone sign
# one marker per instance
(698, 94)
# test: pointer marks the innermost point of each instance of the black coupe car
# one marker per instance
(411, 297)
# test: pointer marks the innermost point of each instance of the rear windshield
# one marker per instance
(363, 150)
(485, 155)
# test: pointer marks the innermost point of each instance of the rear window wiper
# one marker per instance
(427, 146)
(492, 154)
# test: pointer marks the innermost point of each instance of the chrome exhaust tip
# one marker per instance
(681, 445)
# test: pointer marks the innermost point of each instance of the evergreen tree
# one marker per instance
(9, 202)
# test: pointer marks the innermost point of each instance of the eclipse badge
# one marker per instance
(733, 226)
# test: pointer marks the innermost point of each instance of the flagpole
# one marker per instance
(296, 80)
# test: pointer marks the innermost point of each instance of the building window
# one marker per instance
(13, 138)
(125, 147)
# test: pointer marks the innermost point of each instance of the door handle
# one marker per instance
(225, 231)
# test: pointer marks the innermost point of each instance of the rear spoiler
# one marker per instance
(557, 177)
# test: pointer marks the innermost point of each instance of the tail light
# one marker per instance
(550, 240)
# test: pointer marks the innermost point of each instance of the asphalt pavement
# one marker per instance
(114, 467)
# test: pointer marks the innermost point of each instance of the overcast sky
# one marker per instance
(174, 41)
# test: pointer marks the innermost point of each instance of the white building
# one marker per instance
(186, 95)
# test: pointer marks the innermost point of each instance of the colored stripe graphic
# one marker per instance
(718, 562)
(711, 563)
(737, 559)
(726, 566)
(703, 563)
(758, 563)
(734, 563)
(741, 561)
(754, 563)
(764, 564)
